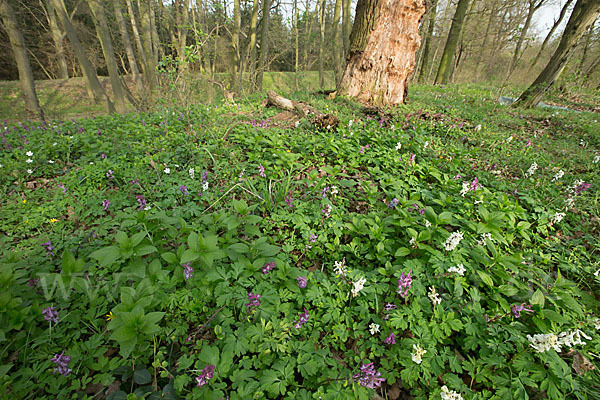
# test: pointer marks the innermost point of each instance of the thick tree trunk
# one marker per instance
(109, 54)
(128, 47)
(432, 11)
(584, 14)
(17, 44)
(557, 23)
(146, 17)
(383, 43)
(235, 46)
(57, 38)
(450, 49)
(321, 44)
(86, 66)
(337, 62)
(264, 42)
(533, 7)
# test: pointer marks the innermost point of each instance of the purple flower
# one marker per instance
(302, 282)
(393, 203)
(105, 204)
(253, 300)
(324, 191)
(103, 156)
(205, 375)
(261, 171)
(33, 282)
(313, 238)
(404, 284)
(50, 314)
(458, 176)
(141, 201)
(516, 309)
(369, 377)
(583, 187)
(412, 158)
(99, 132)
(390, 339)
(48, 246)
(267, 267)
(110, 173)
(363, 148)
(288, 199)
(188, 271)
(183, 189)
(61, 364)
(302, 319)
(60, 185)
(475, 184)
(528, 143)
(204, 176)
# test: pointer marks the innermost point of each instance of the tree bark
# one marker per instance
(264, 42)
(109, 54)
(485, 38)
(533, 7)
(337, 62)
(182, 29)
(424, 72)
(57, 38)
(381, 57)
(584, 14)
(86, 66)
(296, 44)
(563, 12)
(128, 47)
(17, 44)
(146, 17)
(448, 55)
(321, 44)
(252, 43)
(346, 25)
(235, 46)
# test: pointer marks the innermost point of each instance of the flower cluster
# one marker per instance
(253, 301)
(49, 248)
(206, 374)
(517, 308)
(404, 284)
(302, 319)
(418, 353)
(184, 190)
(484, 238)
(374, 328)
(289, 199)
(188, 271)
(339, 267)
(390, 339)
(532, 168)
(261, 171)
(301, 282)
(558, 175)
(393, 203)
(556, 218)
(434, 296)
(50, 314)
(105, 204)
(453, 240)
(547, 341)
(448, 394)
(369, 377)
(267, 267)
(358, 286)
(326, 210)
(459, 269)
(61, 364)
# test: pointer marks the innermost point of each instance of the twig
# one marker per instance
(219, 199)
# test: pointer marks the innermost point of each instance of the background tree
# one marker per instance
(444, 69)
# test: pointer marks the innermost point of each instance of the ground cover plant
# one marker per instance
(445, 249)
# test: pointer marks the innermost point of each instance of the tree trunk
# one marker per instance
(381, 57)
(321, 44)
(57, 38)
(486, 36)
(17, 44)
(533, 7)
(146, 17)
(182, 30)
(586, 46)
(424, 72)
(128, 47)
(337, 55)
(584, 14)
(109, 54)
(156, 49)
(252, 43)
(296, 44)
(86, 66)
(346, 24)
(264, 42)
(448, 55)
(563, 12)
(235, 46)
(136, 37)
(308, 31)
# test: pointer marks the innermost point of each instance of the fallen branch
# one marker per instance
(303, 110)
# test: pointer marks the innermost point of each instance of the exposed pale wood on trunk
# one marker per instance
(57, 38)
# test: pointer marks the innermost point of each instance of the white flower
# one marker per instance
(596, 159)
(147, 208)
(398, 146)
(91, 163)
(29, 154)
(358, 286)
(453, 240)
(531, 170)
(597, 323)
(191, 172)
(478, 128)
(556, 218)
(509, 140)
(71, 137)
(205, 186)
(558, 175)
(350, 123)
(417, 355)
(569, 203)
(327, 210)
(597, 273)
(413, 241)
(434, 296)
(427, 224)
(334, 190)
(466, 186)
(54, 144)
(572, 338)
(30, 171)
(29, 161)
(448, 394)
(426, 144)
(50, 161)
(459, 269)
(339, 267)
(484, 238)
(297, 123)
(167, 170)
(544, 341)
(374, 328)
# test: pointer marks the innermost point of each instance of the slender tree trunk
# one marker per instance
(296, 48)
(264, 42)
(383, 43)
(346, 25)
(86, 66)
(235, 46)
(307, 32)
(136, 37)
(586, 46)
(533, 7)
(557, 23)
(486, 36)
(583, 15)
(109, 54)
(128, 47)
(146, 17)
(57, 38)
(461, 44)
(215, 43)
(321, 44)
(424, 72)
(497, 40)
(156, 49)
(337, 62)
(450, 49)
(252, 43)
(17, 44)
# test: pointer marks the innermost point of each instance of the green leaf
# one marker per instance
(122, 239)
(538, 298)
(170, 257)
(145, 250)
(106, 255)
(402, 252)
(189, 255)
(141, 376)
(192, 240)
(137, 238)
(486, 278)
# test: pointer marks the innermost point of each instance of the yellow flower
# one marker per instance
(53, 220)
(24, 201)
(109, 316)
(26, 221)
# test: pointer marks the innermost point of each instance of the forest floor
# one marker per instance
(450, 244)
